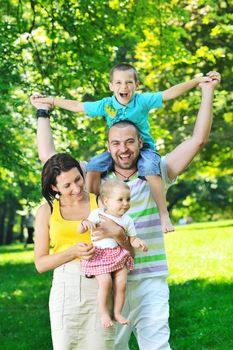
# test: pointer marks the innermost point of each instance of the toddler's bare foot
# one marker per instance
(119, 318)
(166, 224)
(106, 321)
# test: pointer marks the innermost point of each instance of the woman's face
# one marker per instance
(70, 183)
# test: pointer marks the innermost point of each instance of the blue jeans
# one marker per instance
(148, 162)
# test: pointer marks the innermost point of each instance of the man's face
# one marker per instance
(124, 146)
(123, 85)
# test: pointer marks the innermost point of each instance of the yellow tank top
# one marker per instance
(63, 233)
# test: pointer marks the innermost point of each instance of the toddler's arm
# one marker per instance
(70, 105)
(137, 242)
(180, 89)
(86, 225)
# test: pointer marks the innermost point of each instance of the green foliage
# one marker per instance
(67, 49)
(193, 198)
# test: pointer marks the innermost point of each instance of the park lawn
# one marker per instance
(200, 258)
(23, 301)
(200, 262)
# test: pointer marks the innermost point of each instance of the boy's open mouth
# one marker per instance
(123, 94)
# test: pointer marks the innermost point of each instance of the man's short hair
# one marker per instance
(124, 67)
(124, 124)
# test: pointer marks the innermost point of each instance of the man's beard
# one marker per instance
(128, 166)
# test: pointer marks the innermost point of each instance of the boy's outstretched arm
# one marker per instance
(180, 89)
(178, 160)
(70, 105)
(45, 144)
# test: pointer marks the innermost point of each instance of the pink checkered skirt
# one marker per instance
(107, 260)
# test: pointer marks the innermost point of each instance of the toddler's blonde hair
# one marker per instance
(107, 187)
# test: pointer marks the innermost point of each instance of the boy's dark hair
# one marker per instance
(124, 67)
(54, 166)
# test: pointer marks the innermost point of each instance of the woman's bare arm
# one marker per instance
(43, 260)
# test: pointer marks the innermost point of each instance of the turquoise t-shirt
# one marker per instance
(136, 111)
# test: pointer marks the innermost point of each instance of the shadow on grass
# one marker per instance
(200, 316)
(23, 286)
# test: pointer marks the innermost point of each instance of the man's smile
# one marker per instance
(124, 157)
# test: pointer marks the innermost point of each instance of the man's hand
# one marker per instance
(36, 102)
(107, 228)
(215, 80)
(178, 159)
(210, 77)
(44, 99)
(202, 80)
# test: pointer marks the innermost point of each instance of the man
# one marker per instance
(146, 303)
(29, 224)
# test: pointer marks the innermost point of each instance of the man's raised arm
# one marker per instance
(178, 159)
(45, 144)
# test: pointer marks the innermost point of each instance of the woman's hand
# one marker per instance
(84, 251)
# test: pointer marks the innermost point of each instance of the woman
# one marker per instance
(75, 322)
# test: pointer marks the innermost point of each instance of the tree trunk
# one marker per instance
(2, 222)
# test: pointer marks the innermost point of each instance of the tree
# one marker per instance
(67, 48)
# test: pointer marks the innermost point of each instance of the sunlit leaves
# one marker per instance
(67, 49)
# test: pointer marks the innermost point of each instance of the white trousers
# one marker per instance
(147, 309)
(74, 315)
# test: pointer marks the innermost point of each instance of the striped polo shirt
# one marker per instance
(144, 212)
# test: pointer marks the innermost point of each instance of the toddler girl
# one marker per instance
(111, 261)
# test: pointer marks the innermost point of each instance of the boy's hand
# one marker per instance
(36, 102)
(211, 77)
(43, 99)
(215, 79)
(200, 80)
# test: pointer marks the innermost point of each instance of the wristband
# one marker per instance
(42, 113)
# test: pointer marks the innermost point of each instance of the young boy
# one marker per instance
(125, 104)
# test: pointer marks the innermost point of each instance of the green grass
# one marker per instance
(23, 301)
(201, 292)
(200, 259)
